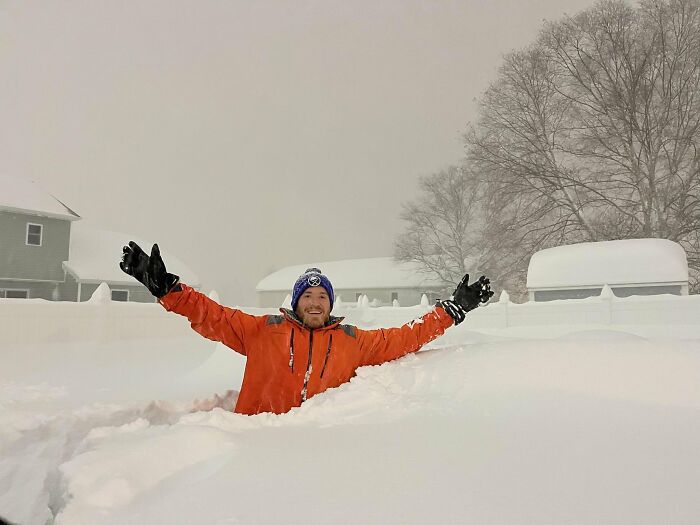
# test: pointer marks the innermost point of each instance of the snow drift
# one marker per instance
(592, 426)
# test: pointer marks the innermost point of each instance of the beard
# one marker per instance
(314, 321)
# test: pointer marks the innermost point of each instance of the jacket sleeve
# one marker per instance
(210, 319)
(385, 344)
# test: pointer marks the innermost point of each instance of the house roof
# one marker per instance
(362, 274)
(629, 261)
(23, 196)
(95, 255)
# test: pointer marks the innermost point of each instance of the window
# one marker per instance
(120, 295)
(14, 294)
(394, 296)
(34, 234)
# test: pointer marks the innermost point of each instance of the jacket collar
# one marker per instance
(294, 318)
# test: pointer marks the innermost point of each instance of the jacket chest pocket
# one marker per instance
(282, 349)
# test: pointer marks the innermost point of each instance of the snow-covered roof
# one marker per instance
(629, 261)
(95, 256)
(363, 274)
(19, 195)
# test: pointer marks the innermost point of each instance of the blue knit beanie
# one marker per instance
(311, 277)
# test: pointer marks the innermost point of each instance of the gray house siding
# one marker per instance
(39, 270)
(19, 261)
(618, 291)
(137, 294)
(50, 291)
(405, 296)
(69, 291)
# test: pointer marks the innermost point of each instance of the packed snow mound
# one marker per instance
(101, 295)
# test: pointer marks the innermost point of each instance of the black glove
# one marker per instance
(149, 271)
(466, 297)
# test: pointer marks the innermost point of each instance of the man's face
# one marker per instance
(314, 307)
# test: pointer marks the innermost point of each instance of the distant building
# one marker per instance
(381, 279)
(629, 267)
(46, 253)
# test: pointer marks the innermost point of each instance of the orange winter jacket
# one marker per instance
(288, 363)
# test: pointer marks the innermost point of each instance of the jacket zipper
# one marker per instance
(309, 368)
(328, 352)
(291, 351)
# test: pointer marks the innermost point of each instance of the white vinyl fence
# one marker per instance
(40, 321)
(605, 309)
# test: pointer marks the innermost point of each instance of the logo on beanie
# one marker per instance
(314, 280)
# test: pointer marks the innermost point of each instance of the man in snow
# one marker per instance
(305, 350)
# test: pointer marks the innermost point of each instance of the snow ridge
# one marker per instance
(32, 483)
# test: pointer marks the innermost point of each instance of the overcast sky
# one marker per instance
(245, 136)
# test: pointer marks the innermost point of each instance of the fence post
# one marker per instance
(607, 297)
(504, 299)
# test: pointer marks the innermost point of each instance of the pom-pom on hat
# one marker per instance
(311, 277)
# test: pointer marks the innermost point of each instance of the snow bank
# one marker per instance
(556, 432)
(541, 422)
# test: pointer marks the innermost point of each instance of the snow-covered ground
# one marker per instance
(568, 424)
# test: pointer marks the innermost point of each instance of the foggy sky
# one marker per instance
(245, 136)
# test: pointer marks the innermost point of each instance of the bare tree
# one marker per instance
(450, 229)
(591, 133)
(441, 224)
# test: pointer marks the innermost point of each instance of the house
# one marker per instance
(381, 279)
(629, 267)
(94, 259)
(46, 253)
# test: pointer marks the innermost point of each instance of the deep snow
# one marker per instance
(531, 425)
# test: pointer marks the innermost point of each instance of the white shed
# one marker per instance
(629, 267)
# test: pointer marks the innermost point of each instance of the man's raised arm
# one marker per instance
(207, 317)
(385, 344)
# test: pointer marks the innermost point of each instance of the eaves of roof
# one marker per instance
(70, 216)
